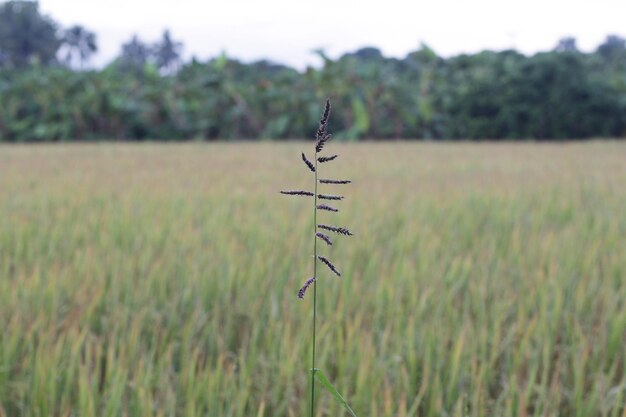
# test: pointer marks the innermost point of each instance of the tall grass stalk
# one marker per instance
(314, 294)
(321, 137)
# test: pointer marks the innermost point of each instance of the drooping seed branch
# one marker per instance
(307, 284)
(321, 142)
(329, 265)
(330, 197)
(325, 238)
(340, 230)
(327, 208)
(308, 163)
(298, 192)
(323, 159)
(321, 134)
(326, 181)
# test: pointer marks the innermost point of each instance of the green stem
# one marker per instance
(314, 291)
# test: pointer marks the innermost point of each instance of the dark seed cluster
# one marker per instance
(329, 265)
(321, 137)
(323, 159)
(326, 207)
(325, 238)
(330, 197)
(305, 287)
(308, 163)
(298, 192)
(340, 230)
(320, 143)
(325, 181)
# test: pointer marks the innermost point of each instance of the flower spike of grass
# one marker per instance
(326, 181)
(321, 137)
(320, 143)
(298, 192)
(307, 284)
(308, 163)
(340, 230)
(325, 238)
(330, 265)
(330, 197)
(327, 208)
(323, 159)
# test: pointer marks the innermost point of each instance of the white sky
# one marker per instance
(287, 30)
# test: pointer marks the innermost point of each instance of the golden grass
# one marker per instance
(161, 280)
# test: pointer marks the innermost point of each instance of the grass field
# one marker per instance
(161, 280)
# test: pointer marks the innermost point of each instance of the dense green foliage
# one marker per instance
(149, 93)
(161, 280)
(26, 37)
(502, 95)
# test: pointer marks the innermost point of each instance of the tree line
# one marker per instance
(47, 93)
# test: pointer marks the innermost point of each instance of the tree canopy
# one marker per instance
(26, 36)
(79, 44)
(149, 92)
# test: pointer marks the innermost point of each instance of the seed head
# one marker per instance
(326, 207)
(305, 287)
(298, 192)
(321, 135)
(324, 238)
(329, 265)
(308, 163)
(323, 159)
(334, 181)
(340, 230)
(330, 197)
(320, 143)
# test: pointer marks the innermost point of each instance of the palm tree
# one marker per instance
(167, 53)
(79, 44)
(135, 55)
(26, 36)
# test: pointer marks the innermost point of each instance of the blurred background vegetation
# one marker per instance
(49, 92)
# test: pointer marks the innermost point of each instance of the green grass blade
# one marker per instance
(321, 378)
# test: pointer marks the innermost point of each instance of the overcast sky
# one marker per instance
(287, 30)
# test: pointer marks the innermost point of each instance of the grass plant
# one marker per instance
(150, 280)
(321, 137)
